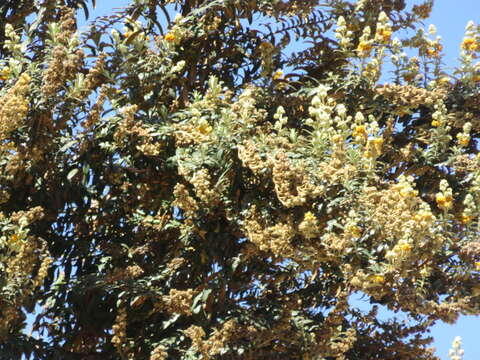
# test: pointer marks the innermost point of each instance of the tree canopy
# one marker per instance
(191, 179)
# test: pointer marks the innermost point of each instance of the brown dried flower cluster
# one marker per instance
(407, 98)
(14, 106)
(179, 301)
(292, 183)
(215, 343)
(159, 353)
(275, 238)
(65, 59)
(26, 261)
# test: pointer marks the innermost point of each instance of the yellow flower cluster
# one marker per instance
(204, 127)
(463, 138)
(365, 44)
(364, 48)
(444, 201)
(178, 32)
(439, 116)
(400, 252)
(444, 198)
(321, 109)
(405, 222)
(384, 29)
(434, 50)
(170, 37)
(423, 217)
(342, 33)
(4, 73)
(374, 147)
(465, 219)
(277, 75)
(376, 279)
(309, 226)
(405, 189)
(369, 283)
(470, 44)
(470, 210)
(360, 133)
(470, 48)
(352, 229)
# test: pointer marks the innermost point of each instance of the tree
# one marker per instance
(188, 188)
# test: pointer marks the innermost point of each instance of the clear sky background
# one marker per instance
(450, 18)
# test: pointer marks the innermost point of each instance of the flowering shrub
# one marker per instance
(185, 187)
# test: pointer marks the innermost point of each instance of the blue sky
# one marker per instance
(450, 18)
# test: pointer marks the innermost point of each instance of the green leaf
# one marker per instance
(72, 173)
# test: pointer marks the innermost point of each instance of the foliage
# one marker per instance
(185, 187)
